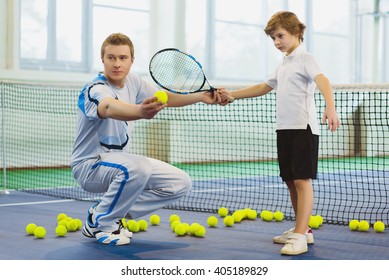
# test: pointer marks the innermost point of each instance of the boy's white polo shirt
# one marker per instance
(295, 87)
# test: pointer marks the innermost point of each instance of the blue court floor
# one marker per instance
(248, 240)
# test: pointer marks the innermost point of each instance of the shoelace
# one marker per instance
(291, 240)
(121, 226)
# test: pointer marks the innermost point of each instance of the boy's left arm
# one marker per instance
(330, 116)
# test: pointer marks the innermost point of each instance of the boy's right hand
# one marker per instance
(225, 96)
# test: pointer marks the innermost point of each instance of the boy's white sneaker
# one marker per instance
(295, 245)
(281, 239)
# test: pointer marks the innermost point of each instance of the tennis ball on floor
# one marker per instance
(193, 228)
(72, 225)
(314, 222)
(379, 226)
(174, 217)
(155, 220)
(223, 212)
(63, 222)
(61, 230)
(200, 232)
(180, 229)
(212, 221)
(238, 216)
(251, 214)
(267, 215)
(174, 224)
(228, 221)
(30, 228)
(353, 224)
(133, 226)
(363, 226)
(320, 219)
(186, 227)
(143, 225)
(245, 212)
(40, 232)
(79, 223)
(61, 216)
(162, 96)
(278, 216)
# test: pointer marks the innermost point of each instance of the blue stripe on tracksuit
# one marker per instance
(122, 183)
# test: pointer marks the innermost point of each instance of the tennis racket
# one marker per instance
(178, 72)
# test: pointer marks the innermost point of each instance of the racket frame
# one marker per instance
(205, 80)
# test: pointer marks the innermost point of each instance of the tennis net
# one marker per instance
(230, 152)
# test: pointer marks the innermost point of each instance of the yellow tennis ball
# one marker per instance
(174, 217)
(61, 216)
(245, 212)
(79, 223)
(379, 226)
(40, 232)
(238, 216)
(363, 226)
(320, 219)
(30, 228)
(63, 222)
(180, 229)
(61, 230)
(251, 214)
(353, 224)
(162, 96)
(267, 215)
(314, 222)
(72, 225)
(186, 227)
(212, 221)
(278, 216)
(155, 220)
(193, 228)
(223, 212)
(133, 226)
(228, 221)
(174, 224)
(143, 225)
(200, 232)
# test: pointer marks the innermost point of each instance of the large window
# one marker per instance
(238, 49)
(67, 34)
(349, 41)
(232, 44)
(330, 38)
(371, 44)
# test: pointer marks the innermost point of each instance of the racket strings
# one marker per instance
(177, 71)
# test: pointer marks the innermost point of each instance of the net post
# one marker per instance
(4, 191)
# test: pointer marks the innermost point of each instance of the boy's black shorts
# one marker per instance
(298, 151)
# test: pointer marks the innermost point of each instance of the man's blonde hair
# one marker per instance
(117, 39)
(288, 21)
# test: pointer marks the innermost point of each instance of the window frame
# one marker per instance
(51, 63)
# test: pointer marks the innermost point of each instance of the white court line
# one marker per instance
(210, 190)
(37, 202)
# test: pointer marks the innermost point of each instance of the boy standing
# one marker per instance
(295, 81)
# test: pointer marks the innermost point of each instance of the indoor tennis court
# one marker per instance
(229, 151)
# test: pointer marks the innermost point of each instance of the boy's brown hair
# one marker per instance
(288, 21)
(117, 39)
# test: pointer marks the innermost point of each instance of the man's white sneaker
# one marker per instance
(284, 237)
(121, 236)
(295, 245)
